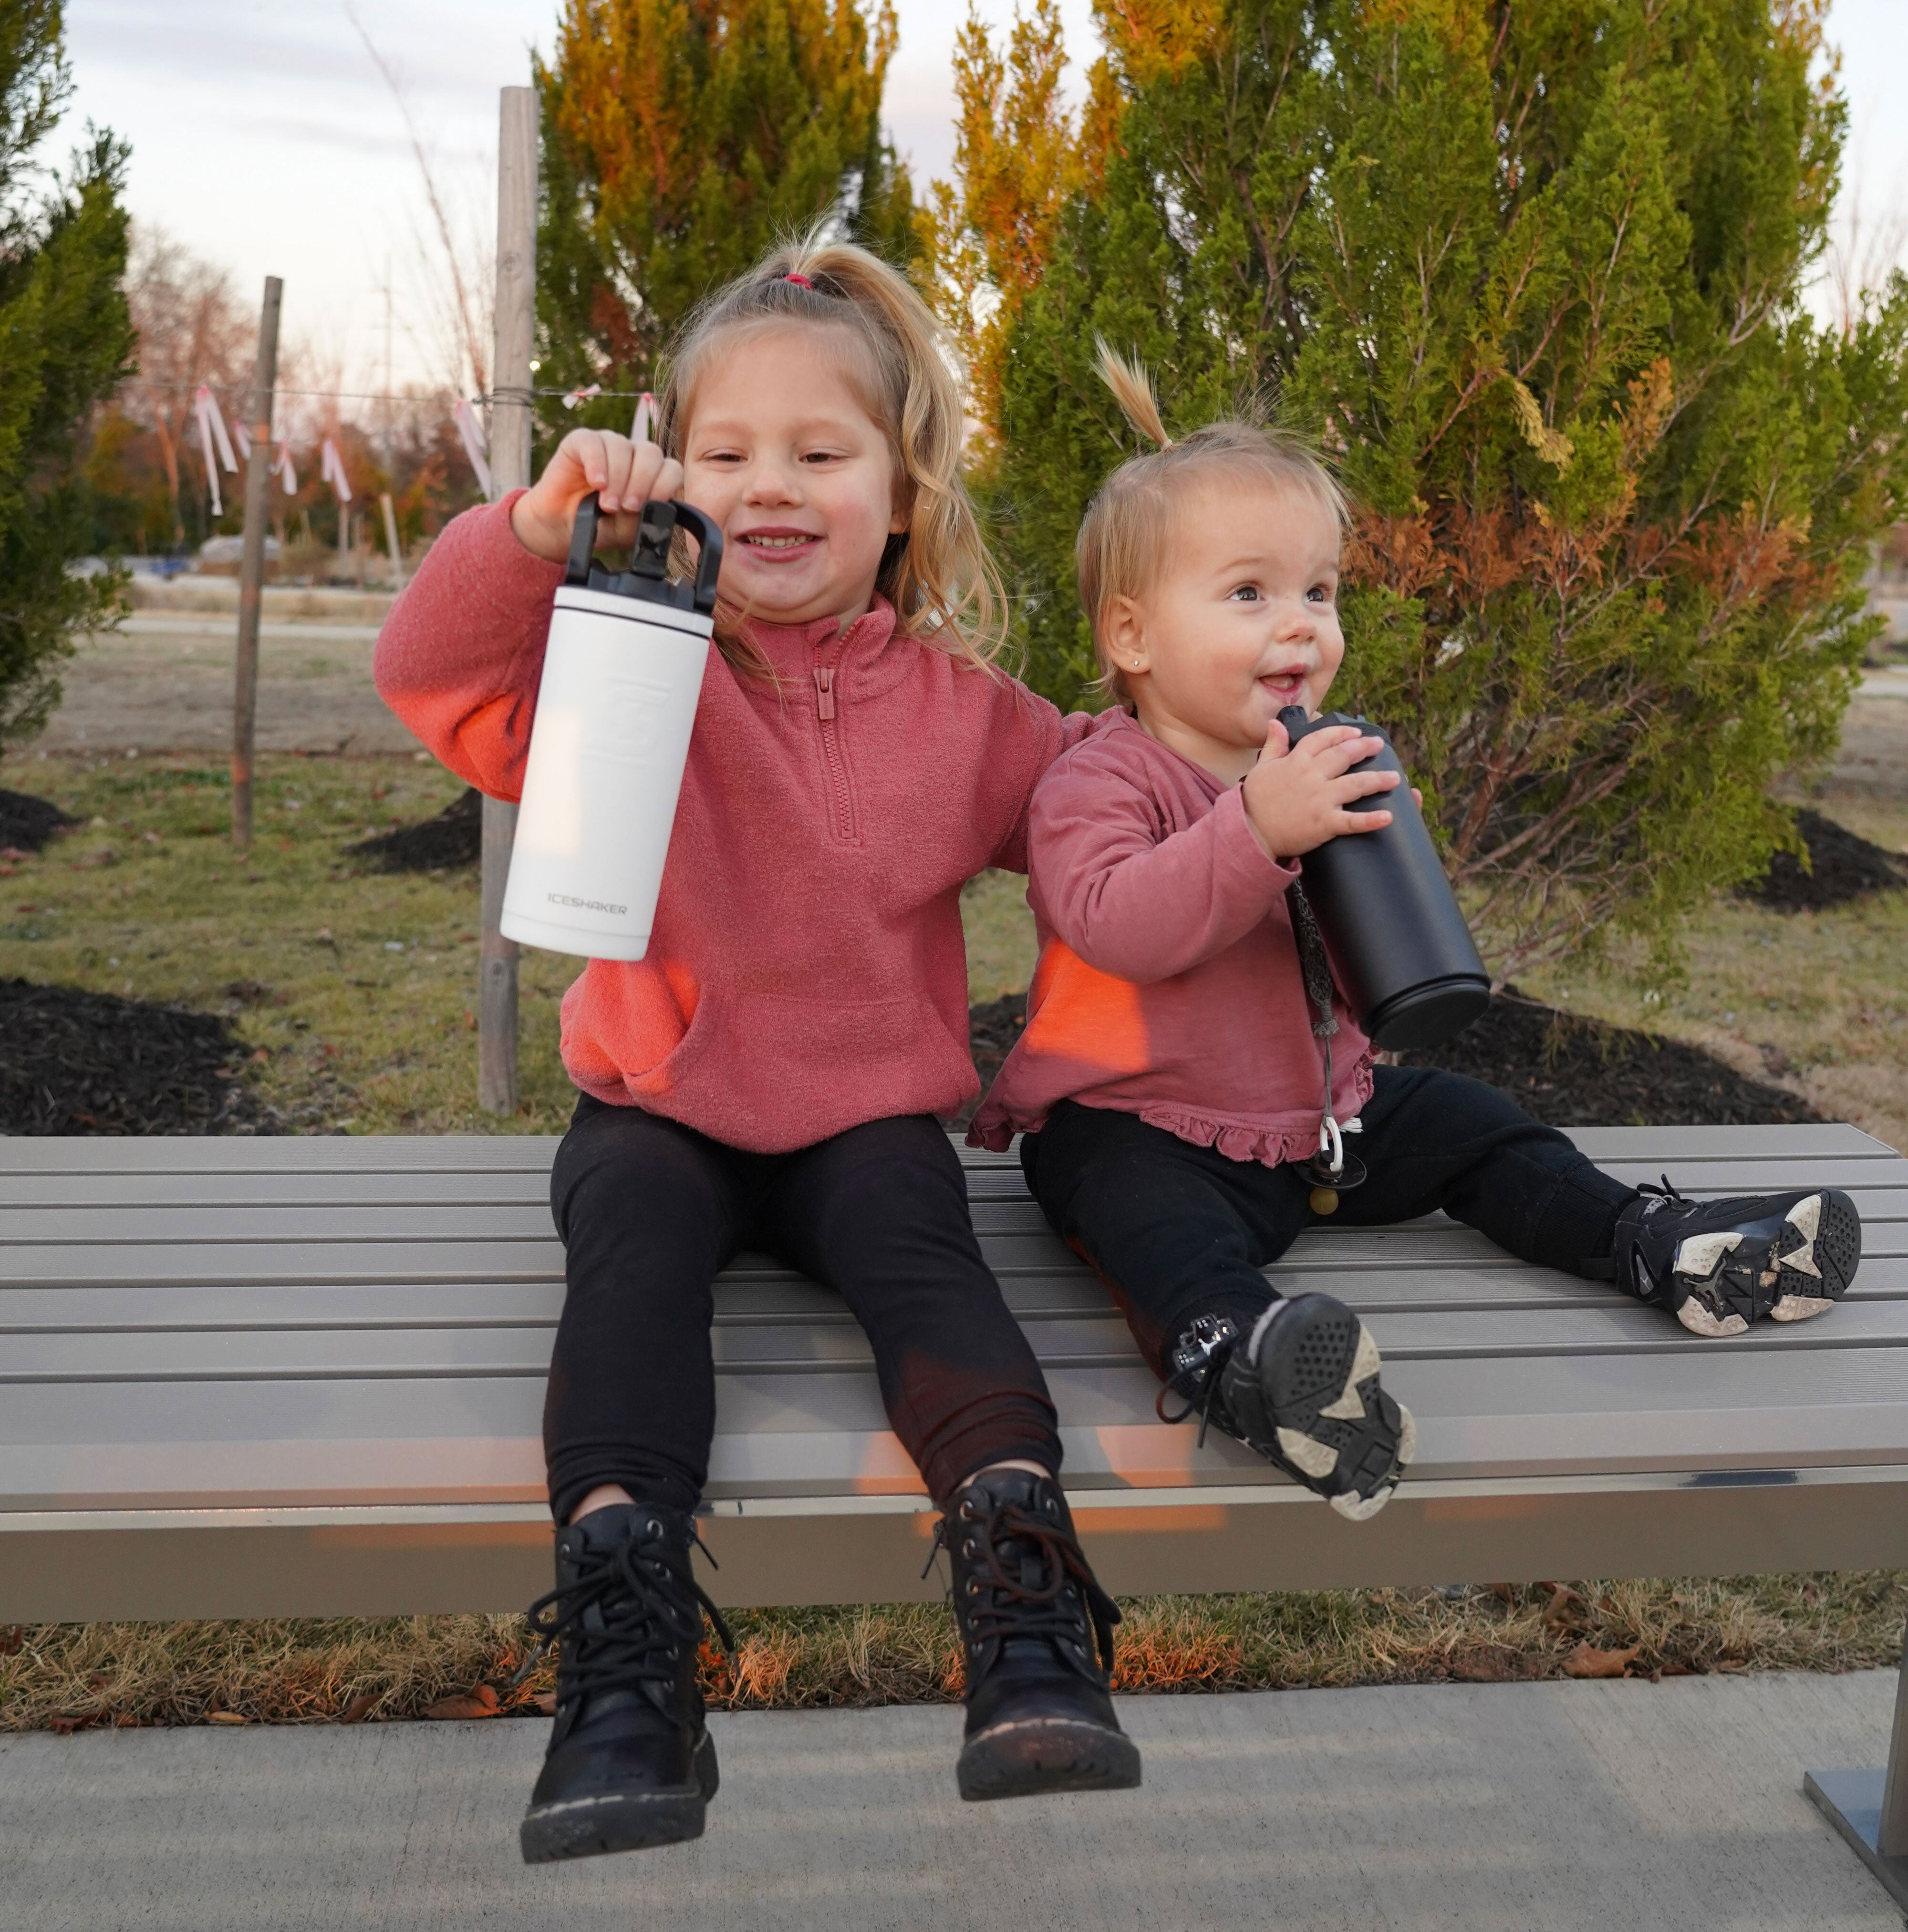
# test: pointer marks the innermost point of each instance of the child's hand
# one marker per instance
(1296, 798)
(624, 474)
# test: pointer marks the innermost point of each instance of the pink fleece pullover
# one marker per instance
(806, 971)
(1168, 984)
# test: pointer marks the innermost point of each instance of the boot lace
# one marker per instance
(651, 1607)
(1006, 1607)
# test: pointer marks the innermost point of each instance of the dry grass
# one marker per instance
(68, 1677)
(1816, 1002)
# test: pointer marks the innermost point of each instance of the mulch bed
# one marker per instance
(1843, 866)
(1565, 1070)
(1573, 1072)
(26, 822)
(451, 841)
(75, 1062)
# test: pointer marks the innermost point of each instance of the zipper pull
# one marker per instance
(824, 692)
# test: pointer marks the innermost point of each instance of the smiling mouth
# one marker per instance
(773, 541)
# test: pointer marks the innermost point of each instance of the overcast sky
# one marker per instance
(263, 136)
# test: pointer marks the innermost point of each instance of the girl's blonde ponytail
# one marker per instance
(1132, 384)
(937, 573)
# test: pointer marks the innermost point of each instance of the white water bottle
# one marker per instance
(621, 680)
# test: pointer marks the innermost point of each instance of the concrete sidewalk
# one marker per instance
(1554, 1806)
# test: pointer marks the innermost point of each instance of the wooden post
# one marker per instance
(510, 470)
(251, 570)
(391, 541)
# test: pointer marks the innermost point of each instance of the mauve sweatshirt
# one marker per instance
(1168, 984)
(806, 971)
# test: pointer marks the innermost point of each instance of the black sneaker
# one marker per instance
(1303, 1389)
(630, 1761)
(1036, 1631)
(1719, 1265)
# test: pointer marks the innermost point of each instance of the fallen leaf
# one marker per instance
(359, 1707)
(1503, 1593)
(226, 1718)
(545, 1701)
(64, 1727)
(1587, 1660)
(1559, 1613)
(1679, 1670)
(11, 1639)
(481, 1703)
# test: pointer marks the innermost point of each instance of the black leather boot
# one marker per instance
(630, 1761)
(1037, 1632)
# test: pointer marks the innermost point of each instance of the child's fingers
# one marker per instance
(615, 493)
(582, 452)
(1347, 746)
(652, 475)
(1361, 784)
(1361, 821)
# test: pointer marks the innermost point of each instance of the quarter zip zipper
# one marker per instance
(841, 817)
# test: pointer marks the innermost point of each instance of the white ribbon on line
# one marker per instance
(212, 428)
(282, 466)
(332, 470)
(474, 446)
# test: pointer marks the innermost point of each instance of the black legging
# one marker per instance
(1176, 1231)
(649, 1213)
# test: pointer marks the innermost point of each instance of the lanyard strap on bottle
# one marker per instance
(1330, 1170)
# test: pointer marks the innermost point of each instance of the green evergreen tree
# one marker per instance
(64, 342)
(1532, 275)
(682, 138)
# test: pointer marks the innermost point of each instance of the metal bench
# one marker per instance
(250, 1378)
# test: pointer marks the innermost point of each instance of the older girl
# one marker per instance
(768, 1076)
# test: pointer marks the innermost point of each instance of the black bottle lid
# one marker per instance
(647, 577)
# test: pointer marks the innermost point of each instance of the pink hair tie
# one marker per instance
(800, 281)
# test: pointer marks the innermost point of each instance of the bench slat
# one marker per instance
(1616, 1327)
(532, 1153)
(107, 1224)
(40, 1209)
(260, 1264)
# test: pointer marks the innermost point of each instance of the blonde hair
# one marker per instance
(1128, 526)
(937, 573)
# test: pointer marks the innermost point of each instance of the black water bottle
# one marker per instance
(1403, 954)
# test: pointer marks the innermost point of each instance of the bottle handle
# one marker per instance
(649, 558)
(582, 541)
(661, 520)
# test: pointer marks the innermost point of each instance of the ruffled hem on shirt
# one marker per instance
(1270, 1142)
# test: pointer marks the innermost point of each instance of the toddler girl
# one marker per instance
(1168, 1083)
(768, 1076)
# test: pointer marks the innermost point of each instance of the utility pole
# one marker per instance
(251, 571)
(510, 470)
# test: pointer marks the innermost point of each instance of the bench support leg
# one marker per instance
(1870, 1808)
